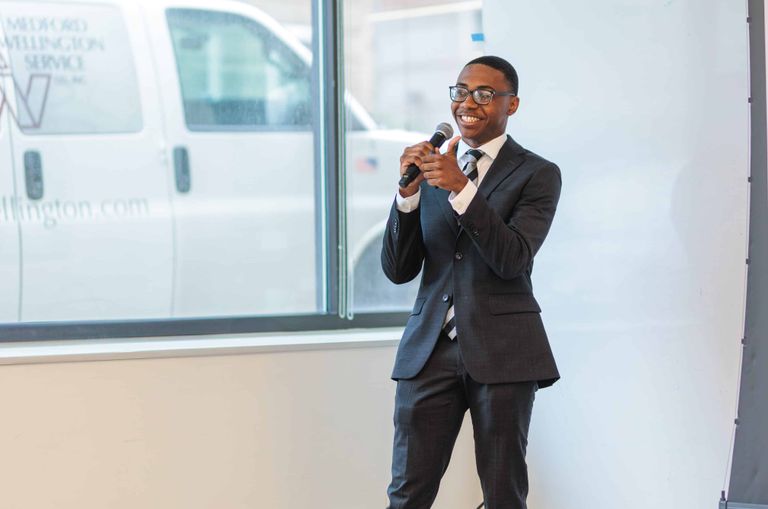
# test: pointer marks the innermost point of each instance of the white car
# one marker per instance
(157, 160)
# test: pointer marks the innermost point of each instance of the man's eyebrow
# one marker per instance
(484, 87)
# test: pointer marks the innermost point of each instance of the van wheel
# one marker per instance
(373, 291)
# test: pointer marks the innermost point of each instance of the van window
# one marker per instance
(236, 75)
(72, 69)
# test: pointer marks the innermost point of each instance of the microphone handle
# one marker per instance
(409, 176)
(413, 171)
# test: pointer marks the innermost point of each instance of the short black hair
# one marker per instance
(500, 65)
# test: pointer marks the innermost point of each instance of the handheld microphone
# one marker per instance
(443, 131)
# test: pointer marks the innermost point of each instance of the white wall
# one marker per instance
(282, 430)
(643, 104)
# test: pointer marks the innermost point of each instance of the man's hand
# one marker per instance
(414, 155)
(442, 170)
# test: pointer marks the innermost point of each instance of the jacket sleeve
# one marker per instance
(402, 252)
(509, 245)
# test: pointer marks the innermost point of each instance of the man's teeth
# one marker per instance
(469, 120)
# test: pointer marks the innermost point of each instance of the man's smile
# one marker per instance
(468, 119)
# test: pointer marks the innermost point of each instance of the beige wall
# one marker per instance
(291, 430)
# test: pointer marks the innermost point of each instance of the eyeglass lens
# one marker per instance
(480, 96)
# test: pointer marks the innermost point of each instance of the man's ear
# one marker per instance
(513, 105)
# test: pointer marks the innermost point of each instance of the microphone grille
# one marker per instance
(445, 129)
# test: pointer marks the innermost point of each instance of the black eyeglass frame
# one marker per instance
(473, 93)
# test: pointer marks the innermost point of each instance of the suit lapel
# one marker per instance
(509, 158)
(445, 206)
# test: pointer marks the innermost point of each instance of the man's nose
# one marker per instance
(470, 103)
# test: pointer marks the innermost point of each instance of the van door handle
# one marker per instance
(33, 174)
(181, 169)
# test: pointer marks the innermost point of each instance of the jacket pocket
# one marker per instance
(417, 306)
(506, 303)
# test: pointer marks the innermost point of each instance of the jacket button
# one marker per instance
(446, 297)
(458, 255)
(475, 233)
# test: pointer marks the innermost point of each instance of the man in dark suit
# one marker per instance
(472, 225)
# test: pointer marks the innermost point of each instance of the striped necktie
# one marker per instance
(472, 156)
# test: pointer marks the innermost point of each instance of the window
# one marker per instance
(399, 62)
(236, 75)
(72, 69)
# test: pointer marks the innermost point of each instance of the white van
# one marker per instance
(157, 161)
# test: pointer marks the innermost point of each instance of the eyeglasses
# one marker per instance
(479, 95)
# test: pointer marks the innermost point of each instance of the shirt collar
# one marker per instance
(490, 149)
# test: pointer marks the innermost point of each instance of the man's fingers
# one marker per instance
(429, 166)
(429, 158)
(436, 163)
(434, 182)
(422, 148)
(433, 158)
(452, 146)
(417, 150)
(409, 160)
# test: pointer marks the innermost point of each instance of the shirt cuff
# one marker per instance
(460, 201)
(408, 204)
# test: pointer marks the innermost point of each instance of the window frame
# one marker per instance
(331, 110)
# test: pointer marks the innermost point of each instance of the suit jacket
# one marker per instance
(482, 261)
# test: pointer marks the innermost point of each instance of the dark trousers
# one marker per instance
(429, 410)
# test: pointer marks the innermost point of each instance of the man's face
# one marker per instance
(480, 123)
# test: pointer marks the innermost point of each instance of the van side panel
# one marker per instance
(96, 226)
(237, 101)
